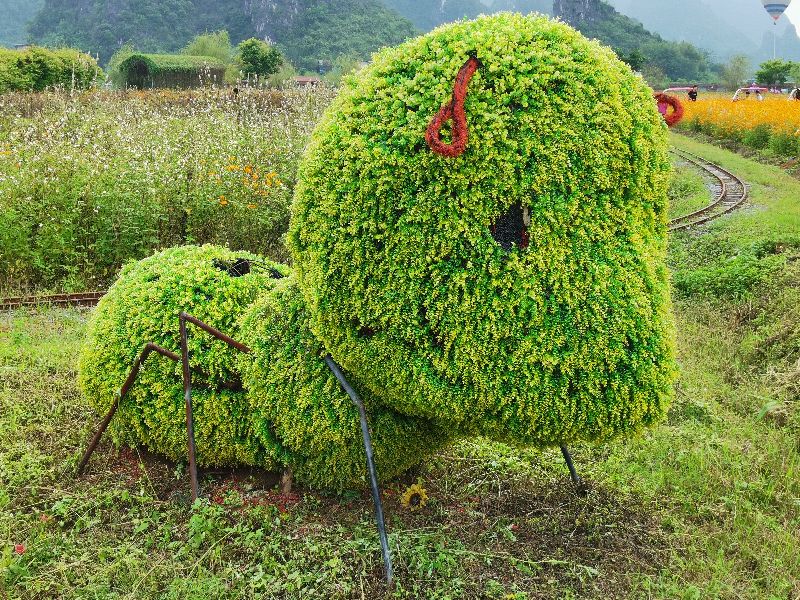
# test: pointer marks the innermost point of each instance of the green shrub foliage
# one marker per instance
(143, 306)
(294, 396)
(568, 338)
(35, 69)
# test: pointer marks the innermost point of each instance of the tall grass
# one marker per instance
(91, 181)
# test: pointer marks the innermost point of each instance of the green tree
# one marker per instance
(774, 72)
(735, 71)
(655, 77)
(124, 53)
(284, 76)
(216, 44)
(259, 58)
(635, 59)
(342, 65)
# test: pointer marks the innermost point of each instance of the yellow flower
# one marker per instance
(415, 497)
(248, 169)
(727, 117)
(252, 206)
(223, 201)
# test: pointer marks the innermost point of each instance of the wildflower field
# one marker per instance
(90, 181)
(772, 124)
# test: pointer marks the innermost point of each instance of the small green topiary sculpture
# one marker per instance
(519, 289)
(287, 409)
(294, 396)
(143, 306)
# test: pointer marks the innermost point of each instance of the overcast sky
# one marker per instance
(793, 12)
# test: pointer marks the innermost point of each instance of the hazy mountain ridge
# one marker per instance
(310, 31)
(427, 14)
(14, 18)
(306, 30)
(723, 27)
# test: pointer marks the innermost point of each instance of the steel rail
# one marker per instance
(78, 299)
(729, 198)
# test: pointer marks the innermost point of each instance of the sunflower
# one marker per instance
(415, 497)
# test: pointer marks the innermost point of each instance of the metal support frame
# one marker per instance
(183, 358)
(286, 481)
(187, 386)
(118, 397)
(373, 474)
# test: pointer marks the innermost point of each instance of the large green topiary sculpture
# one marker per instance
(143, 306)
(294, 396)
(519, 289)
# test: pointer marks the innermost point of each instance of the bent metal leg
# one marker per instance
(120, 395)
(373, 474)
(187, 388)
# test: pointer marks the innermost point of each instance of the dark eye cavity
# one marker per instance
(511, 228)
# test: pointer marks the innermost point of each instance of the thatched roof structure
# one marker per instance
(171, 71)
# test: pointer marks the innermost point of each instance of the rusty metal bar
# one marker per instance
(134, 372)
(183, 358)
(187, 386)
(373, 474)
(215, 332)
(80, 299)
(187, 396)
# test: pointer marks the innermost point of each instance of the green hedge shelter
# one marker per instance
(171, 71)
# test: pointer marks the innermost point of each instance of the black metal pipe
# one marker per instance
(373, 474)
(187, 396)
(576, 479)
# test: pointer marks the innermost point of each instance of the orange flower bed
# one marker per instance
(719, 115)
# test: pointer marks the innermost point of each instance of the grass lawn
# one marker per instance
(707, 505)
(689, 190)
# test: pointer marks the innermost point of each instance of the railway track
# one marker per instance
(82, 299)
(730, 193)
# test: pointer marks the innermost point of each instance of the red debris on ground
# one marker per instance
(283, 502)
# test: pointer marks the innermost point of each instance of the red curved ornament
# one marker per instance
(665, 100)
(453, 110)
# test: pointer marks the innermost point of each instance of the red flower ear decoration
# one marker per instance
(454, 110)
(674, 117)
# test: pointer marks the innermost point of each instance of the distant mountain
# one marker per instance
(307, 31)
(596, 19)
(16, 14)
(427, 14)
(723, 27)
(592, 17)
(311, 32)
